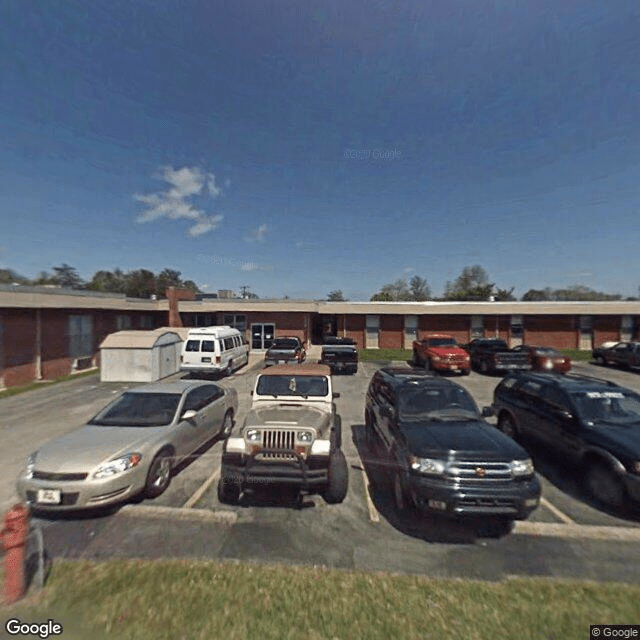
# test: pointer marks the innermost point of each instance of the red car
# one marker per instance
(545, 358)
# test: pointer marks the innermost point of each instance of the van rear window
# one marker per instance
(209, 346)
(193, 345)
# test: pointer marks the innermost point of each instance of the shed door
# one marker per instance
(168, 364)
(586, 333)
(410, 331)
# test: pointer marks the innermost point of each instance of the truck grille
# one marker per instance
(480, 471)
(280, 439)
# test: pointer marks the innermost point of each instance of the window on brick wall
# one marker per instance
(123, 323)
(236, 321)
(146, 322)
(80, 336)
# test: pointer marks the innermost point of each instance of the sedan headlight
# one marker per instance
(305, 436)
(31, 464)
(521, 467)
(547, 364)
(119, 465)
(429, 466)
(254, 435)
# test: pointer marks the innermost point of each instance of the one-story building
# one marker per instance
(50, 332)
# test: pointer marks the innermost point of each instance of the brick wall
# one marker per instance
(391, 332)
(354, 329)
(551, 331)
(455, 326)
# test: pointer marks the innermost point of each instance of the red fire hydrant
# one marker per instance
(14, 536)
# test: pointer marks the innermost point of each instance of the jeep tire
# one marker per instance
(336, 489)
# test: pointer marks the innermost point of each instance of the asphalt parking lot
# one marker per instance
(567, 536)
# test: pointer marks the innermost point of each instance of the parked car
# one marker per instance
(285, 350)
(340, 355)
(441, 352)
(545, 358)
(128, 448)
(592, 423)
(291, 436)
(493, 355)
(440, 453)
(214, 350)
(625, 354)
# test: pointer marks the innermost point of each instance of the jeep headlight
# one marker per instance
(429, 466)
(305, 436)
(119, 465)
(521, 467)
(254, 435)
(31, 464)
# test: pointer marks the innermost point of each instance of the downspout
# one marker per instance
(38, 344)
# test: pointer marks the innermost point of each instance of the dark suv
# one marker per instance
(591, 422)
(441, 454)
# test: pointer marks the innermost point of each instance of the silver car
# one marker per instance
(128, 448)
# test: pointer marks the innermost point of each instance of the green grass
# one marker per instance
(384, 355)
(176, 599)
(577, 355)
(13, 391)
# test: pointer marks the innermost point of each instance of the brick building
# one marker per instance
(46, 332)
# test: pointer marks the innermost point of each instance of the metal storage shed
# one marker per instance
(140, 356)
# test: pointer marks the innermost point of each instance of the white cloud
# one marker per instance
(174, 203)
(257, 235)
(205, 224)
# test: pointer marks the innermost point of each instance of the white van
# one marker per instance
(209, 349)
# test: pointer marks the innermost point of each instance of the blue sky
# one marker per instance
(303, 147)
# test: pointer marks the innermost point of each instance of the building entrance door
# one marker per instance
(262, 335)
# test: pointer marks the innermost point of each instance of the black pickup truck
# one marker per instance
(340, 355)
(492, 355)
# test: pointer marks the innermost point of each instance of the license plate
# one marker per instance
(205, 359)
(49, 496)
(282, 362)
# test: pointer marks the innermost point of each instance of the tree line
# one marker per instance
(474, 284)
(138, 283)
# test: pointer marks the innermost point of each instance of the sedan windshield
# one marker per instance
(133, 409)
(437, 404)
(608, 407)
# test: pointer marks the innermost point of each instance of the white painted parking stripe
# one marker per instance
(175, 513)
(374, 516)
(201, 489)
(577, 531)
(556, 512)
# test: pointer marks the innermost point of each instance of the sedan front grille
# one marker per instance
(59, 477)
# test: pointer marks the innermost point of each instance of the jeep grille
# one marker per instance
(280, 440)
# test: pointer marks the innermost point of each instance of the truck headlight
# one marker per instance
(254, 435)
(521, 467)
(305, 436)
(429, 466)
(119, 465)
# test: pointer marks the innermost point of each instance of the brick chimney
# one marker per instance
(173, 295)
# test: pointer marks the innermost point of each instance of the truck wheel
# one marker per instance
(604, 485)
(427, 364)
(415, 361)
(336, 490)
(484, 368)
(466, 372)
(228, 490)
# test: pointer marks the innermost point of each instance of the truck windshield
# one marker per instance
(288, 385)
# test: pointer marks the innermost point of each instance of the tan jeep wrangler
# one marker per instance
(291, 436)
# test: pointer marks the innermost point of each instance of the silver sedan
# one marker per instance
(128, 448)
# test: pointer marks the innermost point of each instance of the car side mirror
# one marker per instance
(488, 412)
(336, 395)
(189, 415)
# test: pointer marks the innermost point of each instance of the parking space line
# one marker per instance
(556, 512)
(201, 489)
(179, 513)
(577, 531)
